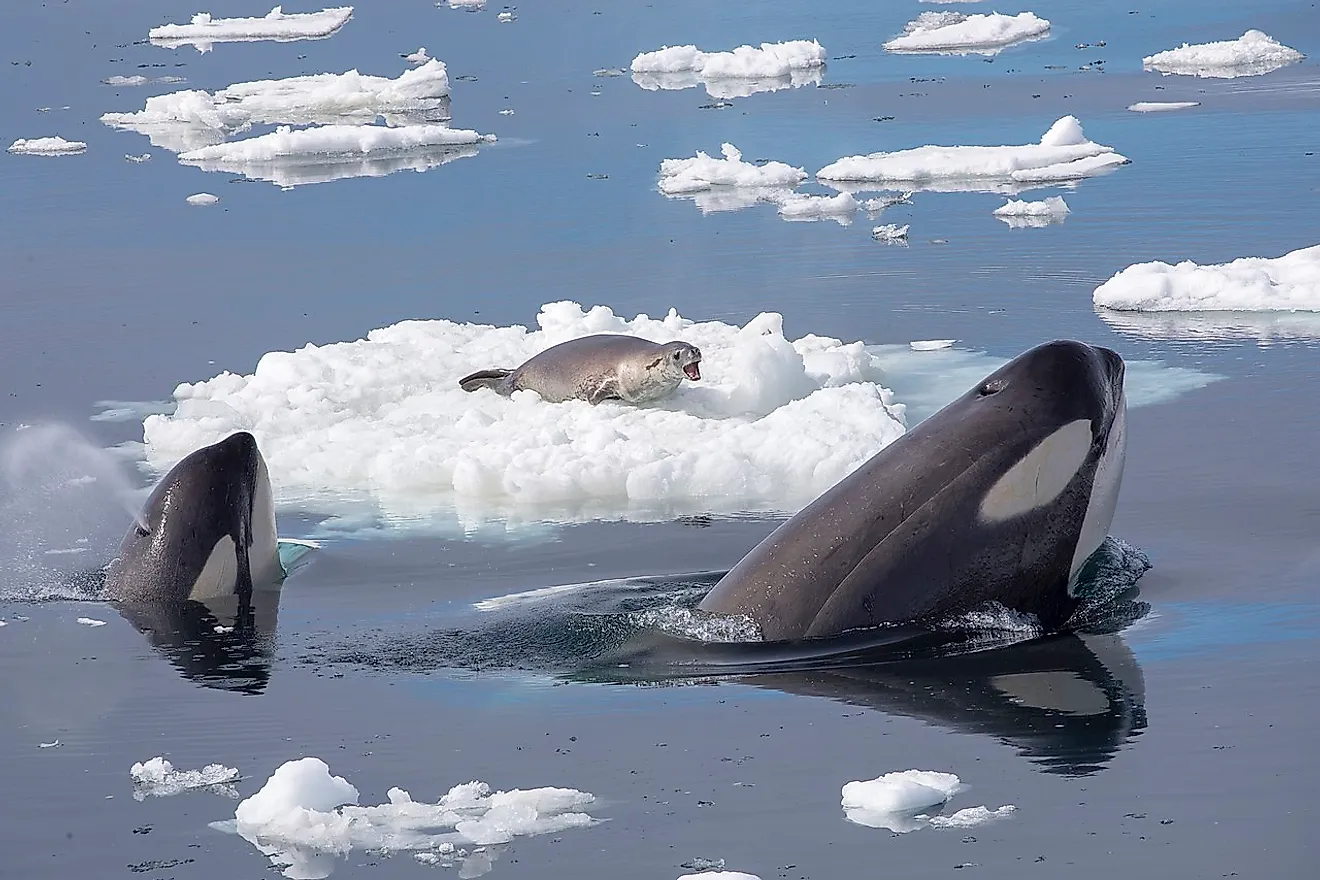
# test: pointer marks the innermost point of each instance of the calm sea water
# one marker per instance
(115, 289)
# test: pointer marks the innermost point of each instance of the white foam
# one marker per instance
(302, 815)
(158, 778)
(771, 424)
(744, 71)
(890, 232)
(1252, 54)
(1064, 153)
(202, 199)
(1161, 106)
(1021, 214)
(203, 30)
(291, 157)
(839, 208)
(46, 146)
(91, 621)
(194, 118)
(1287, 283)
(953, 32)
(699, 626)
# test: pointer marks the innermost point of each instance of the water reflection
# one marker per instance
(307, 169)
(1067, 703)
(1263, 327)
(729, 87)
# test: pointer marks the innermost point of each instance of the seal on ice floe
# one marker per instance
(606, 366)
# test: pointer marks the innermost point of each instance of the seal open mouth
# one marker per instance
(693, 371)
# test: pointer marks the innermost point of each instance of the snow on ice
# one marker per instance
(744, 71)
(956, 33)
(204, 30)
(1260, 284)
(1252, 54)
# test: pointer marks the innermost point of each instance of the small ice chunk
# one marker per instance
(202, 199)
(1161, 106)
(91, 621)
(1287, 283)
(472, 5)
(427, 858)
(890, 232)
(418, 57)
(903, 792)
(158, 778)
(1063, 153)
(506, 17)
(742, 72)
(879, 203)
(221, 629)
(720, 875)
(840, 208)
(145, 157)
(50, 745)
(46, 146)
(971, 817)
(333, 140)
(135, 80)
(931, 344)
(1051, 207)
(204, 30)
(1252, 54)
(953, 32)
(3, 623)
(683, 176)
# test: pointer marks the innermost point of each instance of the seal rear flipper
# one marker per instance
(484, 379)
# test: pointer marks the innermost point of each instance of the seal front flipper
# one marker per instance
(485, 379)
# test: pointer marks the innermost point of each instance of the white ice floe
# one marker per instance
(931, 344)
(470, 5)
(1161, 106)
(890, 232)
(1261, 284)
(880, 203)
(203, 30)
(193, 118)
(47, 146)
(1064, 153)
(289, 157)
(956, 33)
(902, 802)
(137, 160)
(744, 71)
(303, 818)
(840, 208)
(91, 621)
(727, 184)
(1251, 54)
(136, 80)
(1022, 214)
(202, 199)
(720, 875)
(418, 57)
(158, 778)
(506, 17)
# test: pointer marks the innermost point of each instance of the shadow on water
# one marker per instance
(1067, 701)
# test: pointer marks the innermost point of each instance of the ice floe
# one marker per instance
(1260, 284)
(91, 621)
(46, 146)
(737, 74)
(956, 33)
(192, 119)
(1161, 106)
(418, 57)
(202, 199)
(720, 875)
(289, 157)
(204, 30)
(931, 344)
(1021, 214)
(303, 819)
(467, 5)
(839, 208)
(902, 802)
(890, 232)
(375, 435)
(1064, 153)
(139, 80)
(1252, 54)
(727, 184)
(158, 778)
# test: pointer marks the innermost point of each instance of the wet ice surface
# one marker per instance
(1178, 745)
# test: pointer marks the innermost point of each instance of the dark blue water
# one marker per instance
(113, 288)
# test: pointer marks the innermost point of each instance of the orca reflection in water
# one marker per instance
(1001, 496)
(1067, 703)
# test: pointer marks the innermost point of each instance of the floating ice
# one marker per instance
(880, 203)
(682, 176)
(202, 199)
(1021, 214)
(1287, 283)
(839, 208)
(1064, 153)
(931, 344)
(470, 5)
(1161, 106)
(899, 801)
(1252, 54)
(955, 33)
(506, 17)
(192, 119)
(418, 57)
(303, 816)
(720, 875)
(737, 74)
(276, 25)
(47, 146)
(158, 778)
(126, 81)
(971, 817)
(91, 621)
(890, 232)
(772, 423)
(137, 160)
(290, 157)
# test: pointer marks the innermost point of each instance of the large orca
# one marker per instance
(207, 531)
(1001, 496)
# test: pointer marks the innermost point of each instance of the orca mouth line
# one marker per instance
(693, 372)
